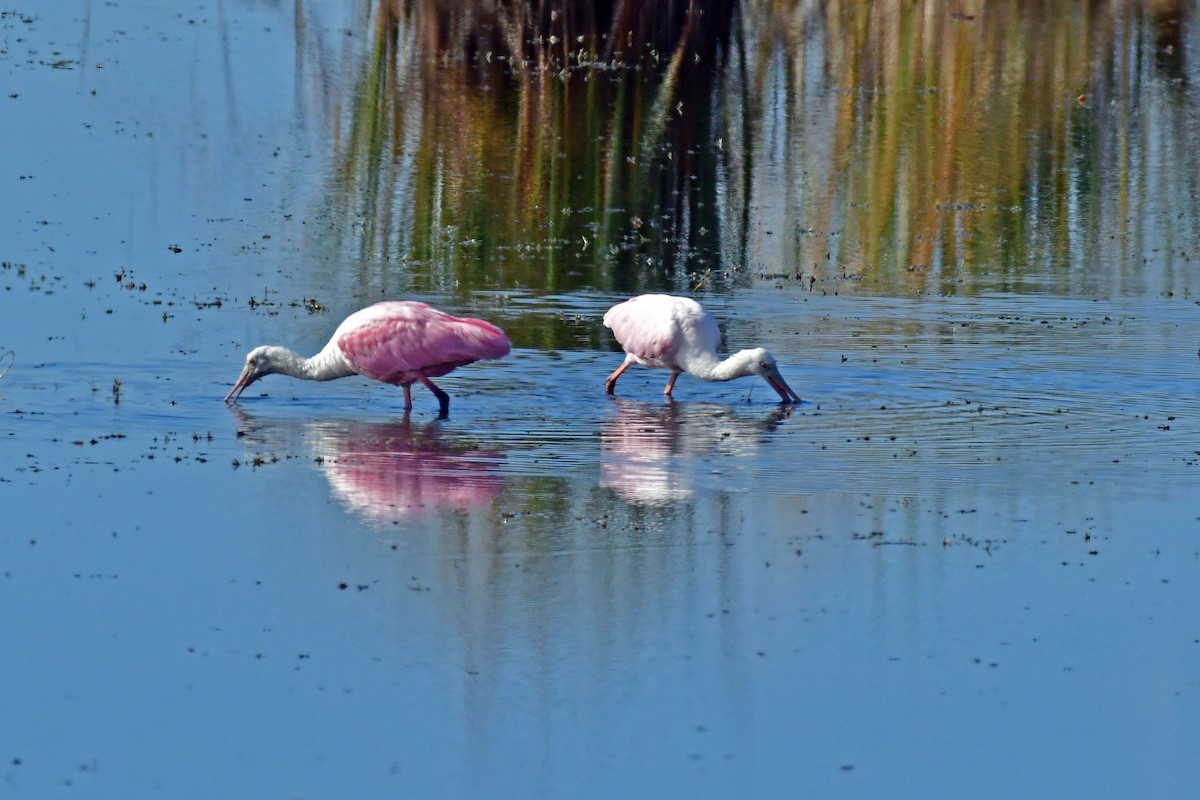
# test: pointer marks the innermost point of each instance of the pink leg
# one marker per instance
(407, 396)
(443, 398)
(670, 384)
(611, 383)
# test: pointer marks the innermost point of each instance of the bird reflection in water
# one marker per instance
(389, 471)
(649, 451)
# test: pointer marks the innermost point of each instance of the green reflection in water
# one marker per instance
(550, 169)
(893, 148)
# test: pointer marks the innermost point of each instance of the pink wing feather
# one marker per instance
(391, 340)
(652, 327)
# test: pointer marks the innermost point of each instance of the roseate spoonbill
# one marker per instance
(397, 342)
(676, 333)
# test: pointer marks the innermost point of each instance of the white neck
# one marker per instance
(324, 366)
(707, 366)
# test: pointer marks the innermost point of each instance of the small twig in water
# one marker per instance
(12, 359)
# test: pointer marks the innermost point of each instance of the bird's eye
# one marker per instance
(251, 361)
(762, 364)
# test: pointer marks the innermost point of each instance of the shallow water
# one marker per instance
(966, 564)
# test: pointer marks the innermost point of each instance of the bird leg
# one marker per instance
(407, 396)
(443, 398)
(611, 383)
(671, 383)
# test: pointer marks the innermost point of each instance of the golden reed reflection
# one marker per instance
(933, 146)
(943, 147)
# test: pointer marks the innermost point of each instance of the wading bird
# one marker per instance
(676, 333)
(396, 342)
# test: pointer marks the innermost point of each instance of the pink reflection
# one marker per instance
(391, 471)
(638, 450)
(650, 453)
(384, 472)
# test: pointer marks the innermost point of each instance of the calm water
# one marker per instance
(966, 565)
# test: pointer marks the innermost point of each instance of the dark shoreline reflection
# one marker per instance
(384, 472)
(559, 151)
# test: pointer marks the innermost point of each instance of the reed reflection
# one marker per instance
(921, 147)
(385, 472)
(573, 148)
(936, 147)
(650, 452)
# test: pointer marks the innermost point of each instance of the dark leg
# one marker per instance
(407, 396)
(443, 398)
